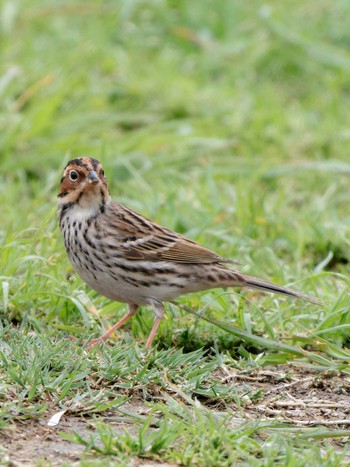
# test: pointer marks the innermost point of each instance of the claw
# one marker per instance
(94, 342)
(89, 343)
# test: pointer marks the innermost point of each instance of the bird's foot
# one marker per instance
(94, 342)
(89, 344)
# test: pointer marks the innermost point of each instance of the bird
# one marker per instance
(128, 258)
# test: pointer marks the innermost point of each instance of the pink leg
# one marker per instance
(99, 340)
(159, 311)
(153, 332)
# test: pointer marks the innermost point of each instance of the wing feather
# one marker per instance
(135, 237)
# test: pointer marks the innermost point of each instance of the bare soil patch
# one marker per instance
(291, 394)
(298, 395)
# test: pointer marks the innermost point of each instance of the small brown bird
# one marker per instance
(130, 259)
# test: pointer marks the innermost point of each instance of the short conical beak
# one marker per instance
(93, 177)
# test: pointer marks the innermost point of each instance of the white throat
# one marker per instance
(86, 207)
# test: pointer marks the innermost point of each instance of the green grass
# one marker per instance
(226, 121)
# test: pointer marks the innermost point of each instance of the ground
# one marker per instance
(288, 394)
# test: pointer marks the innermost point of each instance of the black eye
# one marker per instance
(73, 175)
(102, 172)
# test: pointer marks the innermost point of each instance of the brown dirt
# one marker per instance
(301, 397)
(33, 441)
(297, 395)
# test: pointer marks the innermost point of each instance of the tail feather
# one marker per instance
(250, 281)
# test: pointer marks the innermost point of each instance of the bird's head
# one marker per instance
(84, 184)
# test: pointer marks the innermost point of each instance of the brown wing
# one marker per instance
(135, 237)
(180, 250)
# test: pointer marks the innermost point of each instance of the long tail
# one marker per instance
(249, 281)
